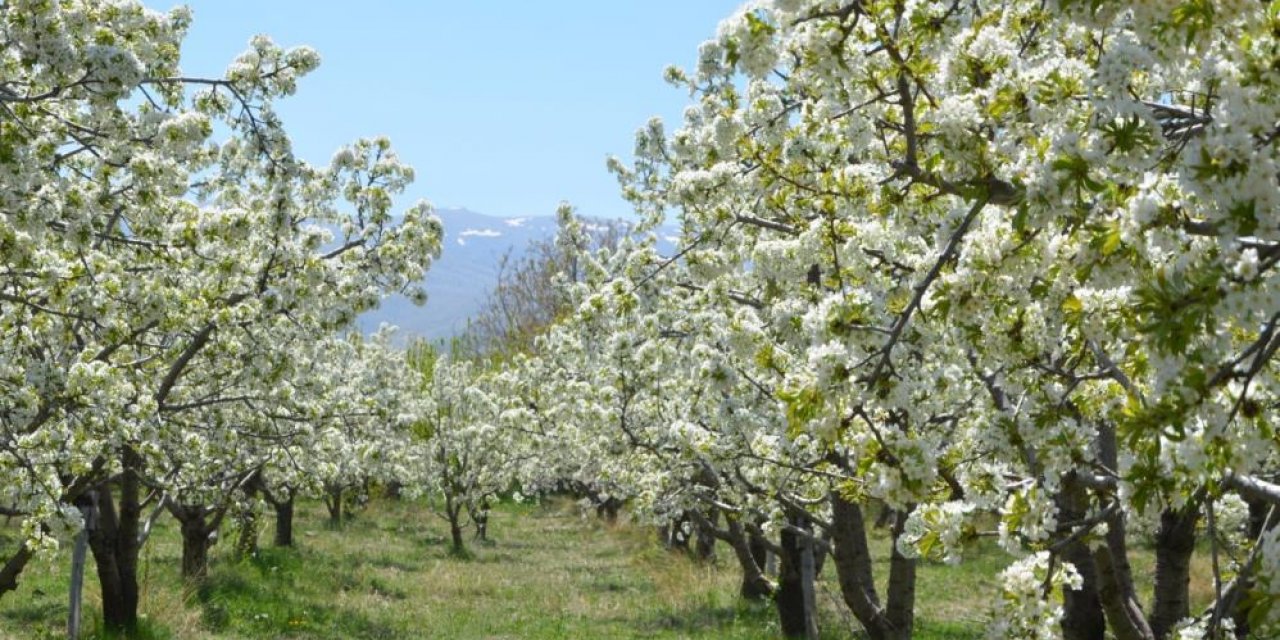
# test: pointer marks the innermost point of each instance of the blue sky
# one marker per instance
(505, 107)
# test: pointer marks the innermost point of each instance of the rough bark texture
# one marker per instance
(1175, 543)
(1082, 618)
(284, 523)
(852, 558)
(753, 555)
(795, 613)
(901, 605)
(115, 548)
(195, 548)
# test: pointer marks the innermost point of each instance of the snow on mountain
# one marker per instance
(459, 282)
(466, 272)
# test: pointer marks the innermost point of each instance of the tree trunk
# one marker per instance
(1082, 610)
(12, 568)
(333, 502)
(1115, 575)
(115, 548)
(394, 489)
(752, 553)
(795, 612)
(852, 558)
(195, 546)
(704, 547)
(1175, 543)
(901, 609)
(679, 534)
(607, 510)
(284, 522)
(454, 512)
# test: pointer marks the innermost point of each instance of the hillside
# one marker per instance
(466, 272)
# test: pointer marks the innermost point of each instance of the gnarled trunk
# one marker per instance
(195, 549)
(197, 536)
(453, 511)
(753, 555)
(852, 558)
(1175, 543)
(114, 543)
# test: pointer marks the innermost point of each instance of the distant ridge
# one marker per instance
(462, 278)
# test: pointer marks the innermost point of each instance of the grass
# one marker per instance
(549, 573)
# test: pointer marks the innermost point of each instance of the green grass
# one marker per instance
(548, 573)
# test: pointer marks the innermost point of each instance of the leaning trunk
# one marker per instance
(752, 554)
(1175, 543)
(9, 573)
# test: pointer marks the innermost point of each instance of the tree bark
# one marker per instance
(901, 606)
(333, 502)
(284, 522)
(704, 547)
(1175, 543)
(454, 513)
(115, 547)
(752, 554)
(852, 558)
(13, 568)
(795, 612)
(1083, 617)
(195, 548)
(1115, 575)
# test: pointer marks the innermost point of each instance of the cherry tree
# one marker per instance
(1014, 259)
(141, 251)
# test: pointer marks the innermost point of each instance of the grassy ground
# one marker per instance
(547, 574)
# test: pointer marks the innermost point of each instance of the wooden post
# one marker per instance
(89, 512)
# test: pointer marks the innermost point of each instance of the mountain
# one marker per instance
(458, 283)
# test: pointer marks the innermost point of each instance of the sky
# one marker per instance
(504, 107)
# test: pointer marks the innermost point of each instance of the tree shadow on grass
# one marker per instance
(245, 600)
(707, 618)
(28, 614)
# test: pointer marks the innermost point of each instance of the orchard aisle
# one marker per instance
(387, 574)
